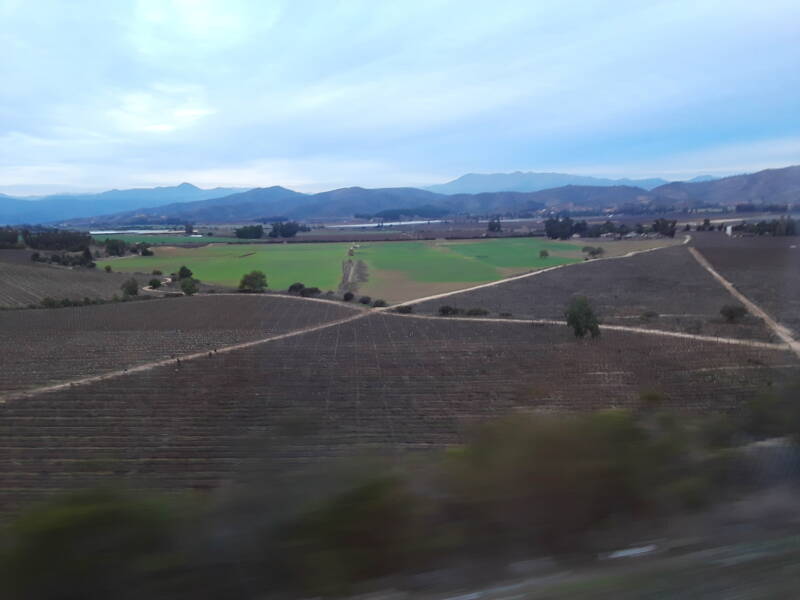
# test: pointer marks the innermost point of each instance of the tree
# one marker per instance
(543, 254)
(580, 316)
(184, 272)
(296, 287)
(155, 282)
(254, 281)
(732, 313)
(286, 229)
(189, 286)
(348, 296)
(494, 225)
(107, 268)
(188, 228)
(130, 287)
(379, 303)
(252, 232)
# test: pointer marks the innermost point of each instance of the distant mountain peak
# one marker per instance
(530, 181)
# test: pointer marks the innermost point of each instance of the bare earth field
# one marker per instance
(765, 269)
(23, 282)
(668, 282)
(64, 344)
(383, 381)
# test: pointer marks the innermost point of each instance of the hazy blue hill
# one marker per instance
(476, 183)
(60, 207)
(768, 186)
(242, 206)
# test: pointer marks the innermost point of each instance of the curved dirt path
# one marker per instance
(782, 332)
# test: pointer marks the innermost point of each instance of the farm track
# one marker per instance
(782, 332)
(603, 326)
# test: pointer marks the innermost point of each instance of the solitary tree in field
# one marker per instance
(543, 254)
(733, 312)
(581, 317)
(130, 287)
(189, 286)
(254, 281)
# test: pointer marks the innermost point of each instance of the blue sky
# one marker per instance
(317, 95)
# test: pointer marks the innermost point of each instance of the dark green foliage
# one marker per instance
(130, 287)
(379, 303)
(57, 239)
(494, 225)
(9, 238)
(308, 292)
(254, 281)
(107, 268)
(477, 312)
(156, 272)
(665, 227)
(593, 251)
(155, 283)
(449, 311)
(733, 313)
(543, 254)
(189, 286)
(296, 288)
(188, 229)
(250, 232)
(348, 296)
(785, 226)
(116, 247)
(581, 318)
(90, 545)
(405, 309)
(184, 272)
(365, 300)
(286, 229)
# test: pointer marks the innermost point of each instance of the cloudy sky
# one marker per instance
(317, 95)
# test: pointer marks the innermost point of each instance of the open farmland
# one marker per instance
(765, 269)
(395, 270)
(23, 282)
(57, 345)
(382, 381)
(631, 291)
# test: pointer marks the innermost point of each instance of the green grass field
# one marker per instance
(162, 239)
(397, 270)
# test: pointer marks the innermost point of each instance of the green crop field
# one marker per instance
(396, 270)
(165, 238)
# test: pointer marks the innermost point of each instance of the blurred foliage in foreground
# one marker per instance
(526, 485)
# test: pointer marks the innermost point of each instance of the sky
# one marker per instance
(316, 95)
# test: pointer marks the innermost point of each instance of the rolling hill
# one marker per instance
(476, 183)
(70, 206)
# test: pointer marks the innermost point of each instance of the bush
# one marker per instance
(505, 315)
(365, 300)
(254, 281)
(581, 317)
(156, 272)
(449, 311)
(130, 287)
(379, 303)
(348, 296)
(477, 312)
(250, 232)
(296, 288)
(155, 283)
(107, 268)
(543, 254)
(405, 309)
(189, 286)
(733, 313)
(184, 272)
(310, 291)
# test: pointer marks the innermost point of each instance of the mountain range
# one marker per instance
(187, 203)
(475, 183)
(59, 207)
